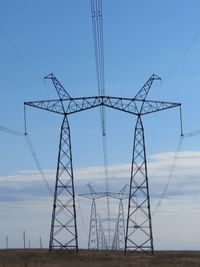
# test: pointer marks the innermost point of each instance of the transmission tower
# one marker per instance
(63, 234)
(119, 231)
(63, 226)
(139, 226)
(119, 235)
(103, 245)
(93, 240)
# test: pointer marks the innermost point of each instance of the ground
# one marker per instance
(37, 258)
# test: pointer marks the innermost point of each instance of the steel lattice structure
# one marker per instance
(63, 227)
(93, 240)
(139, 228)
(101, 234)
(95, 229)
(119, 235)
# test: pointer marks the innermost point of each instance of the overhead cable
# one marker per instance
(97, 23)
(173, 167)
(11, 131)
(33, 153)
(32, 150)
(187, 50)
(191, 134)
(19, 54)
(81, 216)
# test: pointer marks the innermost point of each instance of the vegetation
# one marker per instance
(37, 258)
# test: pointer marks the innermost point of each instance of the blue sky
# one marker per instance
(140, 38)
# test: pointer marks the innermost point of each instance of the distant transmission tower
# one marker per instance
(119, 235)
(93, 240)
(101, 234)
(96, 222)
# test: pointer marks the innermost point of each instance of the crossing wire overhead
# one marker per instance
(97, 23)
(37, 162)
(19, 54)
(11, 131)
(32, 151)
(173, 167)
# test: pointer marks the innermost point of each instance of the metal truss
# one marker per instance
(119, 235)
(63, 227)
(93, 240)
(101, 235)
(139, 229)
(128, 105)
(96, 231)
(66, 105)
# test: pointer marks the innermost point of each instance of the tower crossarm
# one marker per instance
(129, 105)
(122, 191)
(118, 195)
(151, 106)
(93, 195)
(62, 93)
(142, 94)
(54, 106)
(92, 191)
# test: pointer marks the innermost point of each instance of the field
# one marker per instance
(37, 258)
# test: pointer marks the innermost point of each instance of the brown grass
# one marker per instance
(41, 258)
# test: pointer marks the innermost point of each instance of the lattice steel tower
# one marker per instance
(63, 227)
(95, 229)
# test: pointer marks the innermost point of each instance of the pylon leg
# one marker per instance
(121, 226)
(102, 239)
(139, 228)
(93, 242)
(119, 235)
(63, 233)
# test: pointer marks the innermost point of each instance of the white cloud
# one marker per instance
(25, 195)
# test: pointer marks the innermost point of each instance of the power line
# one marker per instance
(37, 162)
(187, 50)
(173, 167)
(11, 131)
(19, 54)
(81, 216)
(97, 23)
(191, 134)
(32, 151)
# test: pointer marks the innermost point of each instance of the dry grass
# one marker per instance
(41, 258)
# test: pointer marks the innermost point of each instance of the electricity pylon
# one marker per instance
(119, 235)
(101, 234)
(139, 226)
(63, 227)
(95, 223)
(63, 234)
(93, 240)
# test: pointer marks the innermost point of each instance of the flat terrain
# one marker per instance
(37, 258)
